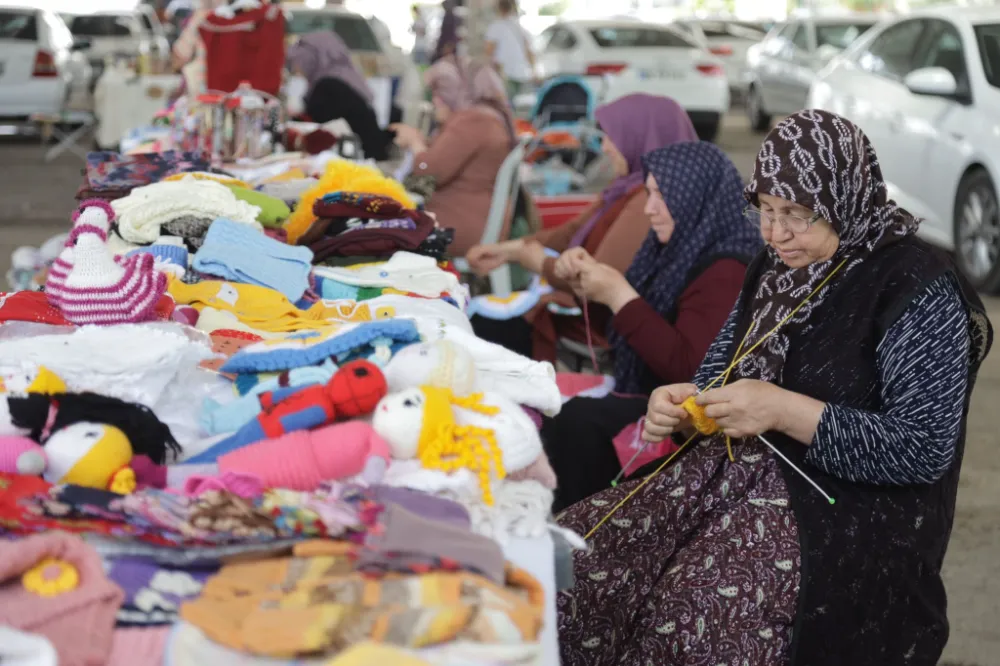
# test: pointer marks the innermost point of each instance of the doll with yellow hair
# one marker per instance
(483, 432)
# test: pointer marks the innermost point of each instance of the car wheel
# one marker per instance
(760, 120)
(708, 130)
(977, 231)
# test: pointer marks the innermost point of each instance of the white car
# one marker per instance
(925, 88)
(781, 69)
(727, 39)
(41, 67)
(135, 34)
(636, 57)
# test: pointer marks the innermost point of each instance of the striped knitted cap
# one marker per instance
(99, 288)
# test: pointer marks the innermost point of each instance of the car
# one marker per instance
(42, 69)
(925, 88)
(135, 34)
(781, 69)
(727, 39)
(623, 57)
(371, 48)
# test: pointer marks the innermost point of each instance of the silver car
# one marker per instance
(781, 69)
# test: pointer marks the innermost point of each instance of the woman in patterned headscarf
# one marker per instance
(662, 313)
(865, 389)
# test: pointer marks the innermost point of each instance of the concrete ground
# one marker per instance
(36, 200)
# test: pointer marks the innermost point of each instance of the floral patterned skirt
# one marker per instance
(700, 567)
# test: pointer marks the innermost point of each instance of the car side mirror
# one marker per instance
(934, 81)
(80, 44)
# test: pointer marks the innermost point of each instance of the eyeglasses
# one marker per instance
(793, 223)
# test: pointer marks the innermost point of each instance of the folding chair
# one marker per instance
(505, 189)
(48, 124)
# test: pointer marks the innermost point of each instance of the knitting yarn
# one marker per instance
(702, 423)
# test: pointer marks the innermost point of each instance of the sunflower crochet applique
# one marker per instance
(51, 577)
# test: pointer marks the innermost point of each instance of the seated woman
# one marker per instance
(611, 231)
(664, 312)
(865, 388)
(334, 88)
(476, 134)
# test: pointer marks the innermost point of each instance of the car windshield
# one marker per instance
(614, 37)
(354, 30)
(840, 35)
(988, 39)
(20, 26)
(103, 25)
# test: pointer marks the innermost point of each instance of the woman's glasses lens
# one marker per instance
(792, 223)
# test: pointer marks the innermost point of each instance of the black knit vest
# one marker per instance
(871, 589)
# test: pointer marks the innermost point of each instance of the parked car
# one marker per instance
(634, 57)
(781, 69)
(371, 46)
(42, 69)
(135, 34)
(925, 88)
(727, 39)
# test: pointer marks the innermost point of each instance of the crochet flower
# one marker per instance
(51, 577)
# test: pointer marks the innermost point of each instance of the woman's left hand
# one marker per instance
(407, 138)
(603, 284)
(745, 408)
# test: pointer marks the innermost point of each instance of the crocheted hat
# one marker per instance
(100, 290)
(94, 216)
(54, 585)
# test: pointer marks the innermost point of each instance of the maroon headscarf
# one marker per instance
(637, 124)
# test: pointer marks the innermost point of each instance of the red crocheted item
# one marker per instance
(249, 47)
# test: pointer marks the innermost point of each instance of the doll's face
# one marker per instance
(398, 420)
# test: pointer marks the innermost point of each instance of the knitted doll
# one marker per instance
(20, 455)
(485, 432)
(88, 439)
(353, 391)
(32, 379)
(441, 363)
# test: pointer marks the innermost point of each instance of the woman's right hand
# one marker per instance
(484, 259)
(664, 414)
(569, 263)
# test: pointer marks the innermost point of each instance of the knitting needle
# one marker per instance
(614, 482)
(801, 473)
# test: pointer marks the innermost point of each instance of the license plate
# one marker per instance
(662, 73)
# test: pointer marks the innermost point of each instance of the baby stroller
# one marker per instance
(566, 140)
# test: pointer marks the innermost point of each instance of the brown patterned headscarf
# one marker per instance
(823, 162)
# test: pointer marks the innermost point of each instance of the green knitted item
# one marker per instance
(273, 211)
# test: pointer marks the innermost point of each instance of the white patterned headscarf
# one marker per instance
(823, 162)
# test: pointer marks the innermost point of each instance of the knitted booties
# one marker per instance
(100, 290)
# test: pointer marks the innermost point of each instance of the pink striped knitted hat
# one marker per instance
(94, 215)
(97, 288)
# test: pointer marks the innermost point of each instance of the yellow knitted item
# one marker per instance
(103, 464)
(218, 178)
(342, 176)
(447, 446)
(258, 307)
(373, 654)
(44, 382)
(701, 423)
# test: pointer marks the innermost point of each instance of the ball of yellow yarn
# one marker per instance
(702, 423)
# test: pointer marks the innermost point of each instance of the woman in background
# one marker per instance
(331, 87)
(476, 134)
(611, 231)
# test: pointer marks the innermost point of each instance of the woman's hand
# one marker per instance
(664, 415)
(484, 259)
(409, 138)
(745, 408)
(570, 262)
(603, 284)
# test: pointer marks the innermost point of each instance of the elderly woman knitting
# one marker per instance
(843, 373)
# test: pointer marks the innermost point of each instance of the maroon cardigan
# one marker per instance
(674, 351)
